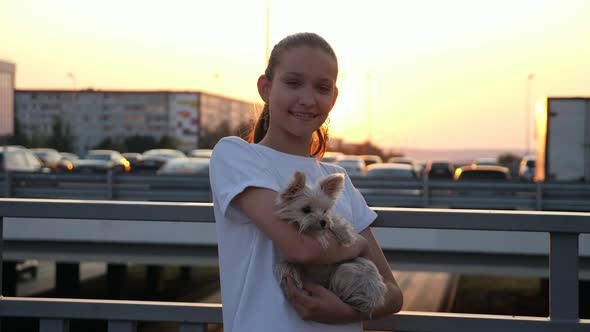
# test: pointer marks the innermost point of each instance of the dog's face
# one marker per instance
(310, 207)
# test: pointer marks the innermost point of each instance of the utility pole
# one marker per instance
(528, 113)
(369, 122)
(267, 34)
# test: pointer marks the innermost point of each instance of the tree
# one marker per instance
(18, 137)
(61, 138)
(109, 144)
(508, 159)
(139, 143)
(210, 137)
(167, 142)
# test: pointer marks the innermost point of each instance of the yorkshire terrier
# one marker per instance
(310, 208)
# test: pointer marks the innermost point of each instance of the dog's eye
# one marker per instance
(306, 209)
(325, 211)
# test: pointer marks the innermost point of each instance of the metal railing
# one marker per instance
(549, 196)
(564, 229)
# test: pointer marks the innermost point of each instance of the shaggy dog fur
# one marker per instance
(310, 208)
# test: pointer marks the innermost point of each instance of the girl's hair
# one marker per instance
(319, 141)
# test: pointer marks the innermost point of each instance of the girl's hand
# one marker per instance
(316, 303)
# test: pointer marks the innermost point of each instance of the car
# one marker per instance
(526, 171)
(185, 166)
(135, 159)
(439, 169)
(102, 161)
(16, 158)
(200, 153)
(69, 156)
(391, 171)
(401, 160)
(371, 159)
(53, 160)
(485, 162)
(353, 165)
(482, 173)
(154, 159)
(331, 157)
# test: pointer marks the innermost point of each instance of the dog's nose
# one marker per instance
(323, 223)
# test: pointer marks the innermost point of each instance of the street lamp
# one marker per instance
(528, 113)
(369, 131)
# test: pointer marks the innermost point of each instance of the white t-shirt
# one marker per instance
(251, 296)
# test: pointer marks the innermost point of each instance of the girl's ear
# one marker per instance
(335, 96)
(263, 87)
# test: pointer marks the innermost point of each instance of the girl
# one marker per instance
(299, 91)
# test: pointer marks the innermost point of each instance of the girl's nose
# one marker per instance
(306, 97)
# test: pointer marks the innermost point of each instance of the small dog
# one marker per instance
(356, 282)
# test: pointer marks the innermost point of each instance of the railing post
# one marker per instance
(1, 253)
(191, 327)
(8, 182)
(563, 276)
(110, 184)
(539, 196)
(54, 325)
(122, 326)
(426, 191)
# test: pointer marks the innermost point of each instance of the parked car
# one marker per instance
(70, 156)
(418, 168)
(354, 165)
(482, 173)
(185, 166)
(156, 158)
(53, 160)
(371, 159)
(15, 158)
(331, 157)
(200, 153)
(391, 171)
(102, 161)
(135, 160)
(485, 162)
(439, 169)
(526, 171)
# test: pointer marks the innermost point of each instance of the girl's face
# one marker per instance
(301, 93)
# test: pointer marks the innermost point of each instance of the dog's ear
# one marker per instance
(332, 185)
(296, 185)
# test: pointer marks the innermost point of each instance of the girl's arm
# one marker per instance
(258, 204)
(319, 304)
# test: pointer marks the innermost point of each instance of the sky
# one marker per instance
(427, 74)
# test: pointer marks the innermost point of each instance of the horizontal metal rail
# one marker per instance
(515, 195)
(564, 229)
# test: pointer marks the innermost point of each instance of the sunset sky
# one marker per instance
(425, 74)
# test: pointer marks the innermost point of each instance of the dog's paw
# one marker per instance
(344, 232)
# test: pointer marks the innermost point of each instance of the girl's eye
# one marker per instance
(324, 89)
(306, 209)
(292, 83)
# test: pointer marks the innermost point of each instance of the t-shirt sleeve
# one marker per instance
(362, 215)
(235, 166)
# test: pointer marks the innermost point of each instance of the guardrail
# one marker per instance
(550, 196)
(563, 228)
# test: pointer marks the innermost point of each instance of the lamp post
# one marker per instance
(369, 129)
(528, 113)
(267, 34)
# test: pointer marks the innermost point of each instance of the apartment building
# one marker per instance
(7, 70)
(93, 115)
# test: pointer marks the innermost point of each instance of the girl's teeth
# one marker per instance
(303, 115)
